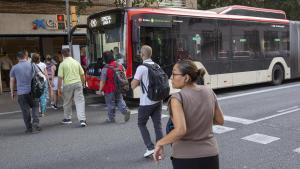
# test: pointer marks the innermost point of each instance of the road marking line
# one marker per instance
(221, 129)
(238, 120)
(133, 111)
(11, 112)
(295, 107)
(297, 150)
(257, 92)
(276, 115)
(260, 138)
(96, 105)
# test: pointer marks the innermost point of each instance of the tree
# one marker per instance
(82, 5)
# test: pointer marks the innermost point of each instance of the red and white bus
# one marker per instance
(236, 45)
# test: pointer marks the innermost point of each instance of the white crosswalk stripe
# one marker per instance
(260, 138)
(221, 129)
(297, 150)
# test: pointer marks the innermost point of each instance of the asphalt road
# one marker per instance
(261, 131)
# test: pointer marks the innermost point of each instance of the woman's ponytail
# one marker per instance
(201, 72)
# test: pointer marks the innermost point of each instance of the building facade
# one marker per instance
(34, 25)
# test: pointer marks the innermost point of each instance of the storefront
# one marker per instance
(35, 33)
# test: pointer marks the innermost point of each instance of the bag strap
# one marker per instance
(143, 87)
(38, 68)
(142, 84)
(33, 71)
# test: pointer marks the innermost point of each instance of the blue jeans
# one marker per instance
(111, 99)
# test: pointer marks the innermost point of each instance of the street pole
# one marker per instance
(68, 27)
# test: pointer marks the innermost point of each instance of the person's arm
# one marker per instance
(82, 77)
(53, 69)
(59, 86)
(134, 83)
(60, 79)
(177, 133)
(102, 83)
(103, 78)
(137, 78)
(218, 115)
(12, 86)
(47, 77)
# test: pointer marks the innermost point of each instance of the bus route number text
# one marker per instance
(106, 20)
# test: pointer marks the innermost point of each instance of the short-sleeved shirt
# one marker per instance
(141, 75)
(198, 106)
(107, 75)
(70, 70)
(23, 73)
(42, 66)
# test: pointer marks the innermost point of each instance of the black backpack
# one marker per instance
(120, 79)
(37, 83)
(158, 88)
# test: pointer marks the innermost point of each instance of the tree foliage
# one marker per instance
(82, 5)
(291, 7)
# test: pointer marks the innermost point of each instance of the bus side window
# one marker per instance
(224, 38)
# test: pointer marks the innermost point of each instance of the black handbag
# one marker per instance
(170, 125)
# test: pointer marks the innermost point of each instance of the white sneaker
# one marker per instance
(148, 153)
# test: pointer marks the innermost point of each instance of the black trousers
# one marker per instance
(196, 163)
(153, 111)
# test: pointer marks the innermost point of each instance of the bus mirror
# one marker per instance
(135, 32)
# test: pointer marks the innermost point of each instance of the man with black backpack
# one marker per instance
(114, 83)
(154, 87)
(22, 73)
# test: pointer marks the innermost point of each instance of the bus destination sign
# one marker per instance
(103, 21)
(157, 21)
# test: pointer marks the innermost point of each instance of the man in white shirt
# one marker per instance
(148, 108)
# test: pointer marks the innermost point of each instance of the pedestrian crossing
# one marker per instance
(260, 138)
(297, 150)
(257, 138)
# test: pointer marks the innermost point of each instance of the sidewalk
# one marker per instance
(9, 106)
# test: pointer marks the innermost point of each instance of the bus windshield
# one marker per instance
(108, 38)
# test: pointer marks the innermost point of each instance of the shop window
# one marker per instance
(11, 45)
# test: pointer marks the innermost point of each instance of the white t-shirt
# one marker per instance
(141, 75)
(42, 66)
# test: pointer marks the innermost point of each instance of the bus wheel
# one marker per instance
(277, 75)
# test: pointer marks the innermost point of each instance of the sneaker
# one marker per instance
(148, 153)
(53, 106)
(127, 116)
(36, 129)
(66, 121)
(82, 123)
(110, 120)
(42, 114)
(28, 131)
